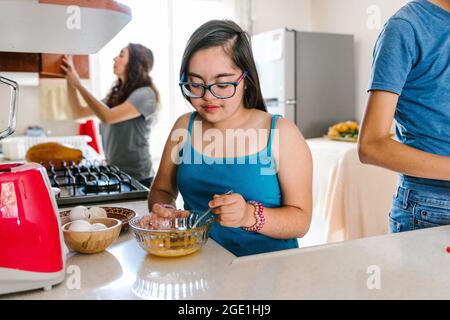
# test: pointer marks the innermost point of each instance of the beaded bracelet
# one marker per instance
(259, 215)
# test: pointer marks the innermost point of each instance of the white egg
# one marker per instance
(96, 212)
(80, 226)
(78, 213)
(98, 226)
(80, 231)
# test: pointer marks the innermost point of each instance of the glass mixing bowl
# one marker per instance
(178, 241)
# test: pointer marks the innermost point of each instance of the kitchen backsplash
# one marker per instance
(29, 113)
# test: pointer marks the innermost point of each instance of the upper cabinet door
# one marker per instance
(19, 62)
(50, 66)
(47, 65)
(76, 27)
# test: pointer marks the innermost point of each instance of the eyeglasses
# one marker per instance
(222, 90)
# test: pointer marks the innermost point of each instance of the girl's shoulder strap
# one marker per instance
(188, 143)
(191, 121)
(272, 132)
(274, 120)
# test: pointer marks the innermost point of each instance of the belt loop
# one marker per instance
(397, 192)
(405, 198)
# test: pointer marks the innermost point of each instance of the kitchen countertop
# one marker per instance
(412, 265)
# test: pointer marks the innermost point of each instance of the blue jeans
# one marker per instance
(418, 206)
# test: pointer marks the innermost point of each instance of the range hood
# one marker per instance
(60, 26)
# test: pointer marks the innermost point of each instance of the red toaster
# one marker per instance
(31, 241)
(32, 249)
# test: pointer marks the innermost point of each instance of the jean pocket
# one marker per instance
(397, 202)
(394, 225)
(430, 216)
(400, 220)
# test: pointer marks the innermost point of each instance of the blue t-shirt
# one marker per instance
(412, 59)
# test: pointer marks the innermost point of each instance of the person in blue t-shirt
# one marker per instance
(410, 82)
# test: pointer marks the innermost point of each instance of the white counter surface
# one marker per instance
(412, 265)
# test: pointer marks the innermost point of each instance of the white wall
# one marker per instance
(270, 14)
(29, 113)
(360, 18)
(335, 16)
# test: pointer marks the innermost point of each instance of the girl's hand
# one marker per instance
(168, 212)
(162, 217)
(233, 210)
(72, 76)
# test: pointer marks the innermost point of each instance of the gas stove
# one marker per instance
(93, 182)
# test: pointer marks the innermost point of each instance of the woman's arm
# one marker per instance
(164, 187)
(294, 162)
(376, 147)
(77, 110)
(122, 112)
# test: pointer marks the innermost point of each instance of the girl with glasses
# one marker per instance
(270, 174)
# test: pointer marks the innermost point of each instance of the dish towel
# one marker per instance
(54, 102)
(55, 107)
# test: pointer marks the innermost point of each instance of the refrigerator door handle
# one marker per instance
(274, 102)
(291, 102)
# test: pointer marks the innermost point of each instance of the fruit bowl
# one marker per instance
(344, 131)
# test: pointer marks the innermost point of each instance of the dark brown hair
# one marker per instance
(236, 43)
(137, 75)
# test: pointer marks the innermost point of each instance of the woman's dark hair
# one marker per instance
(236, 43)
(137, 75)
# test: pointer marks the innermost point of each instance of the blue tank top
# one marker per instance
(254, 176)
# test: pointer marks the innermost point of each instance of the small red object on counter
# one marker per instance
(89, 129)
(448, 249)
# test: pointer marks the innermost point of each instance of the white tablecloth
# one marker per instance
(351, 200)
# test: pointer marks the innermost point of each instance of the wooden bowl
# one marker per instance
(122, 214)
(93, 241)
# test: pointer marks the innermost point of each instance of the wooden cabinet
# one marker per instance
(47, 65)
(50, 66)
(19, 62)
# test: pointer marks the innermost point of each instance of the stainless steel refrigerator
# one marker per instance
(307, 77)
